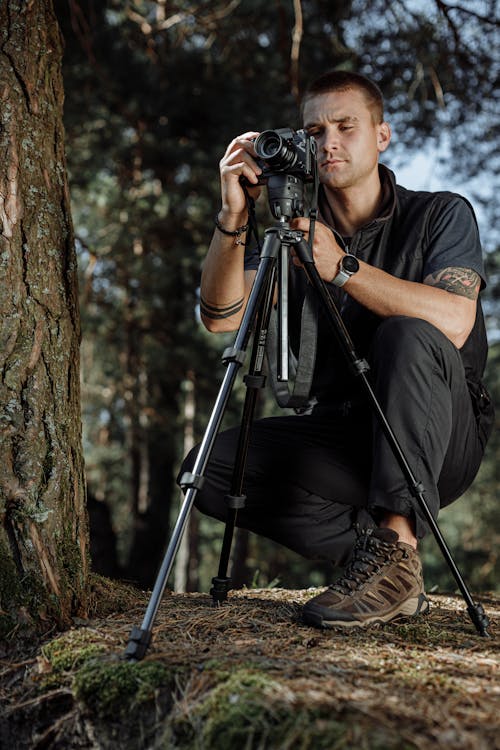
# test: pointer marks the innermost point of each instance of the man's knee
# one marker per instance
(404, 345)
(404, 335)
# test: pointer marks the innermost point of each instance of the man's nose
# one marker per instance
(330, 140)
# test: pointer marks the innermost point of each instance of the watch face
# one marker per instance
(350, 264)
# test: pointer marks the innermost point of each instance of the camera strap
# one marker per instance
(301, 366)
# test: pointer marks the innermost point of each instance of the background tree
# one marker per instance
(43, 531)
(155, 91)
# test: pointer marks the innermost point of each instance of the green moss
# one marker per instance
(236, 712)
(423, 632)
(71, 650)
(117, 688)
(253, 710)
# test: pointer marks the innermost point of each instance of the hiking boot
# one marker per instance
(382, 581)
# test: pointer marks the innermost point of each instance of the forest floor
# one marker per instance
(250, 675)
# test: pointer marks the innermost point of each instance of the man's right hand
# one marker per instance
(225, 285)
(238, 161)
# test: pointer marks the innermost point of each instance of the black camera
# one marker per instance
(285, 151)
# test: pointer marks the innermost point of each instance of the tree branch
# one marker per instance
(295, 51)
(163, 23)
(445, 9)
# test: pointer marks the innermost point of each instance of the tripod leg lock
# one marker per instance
(254, 381)
(235, 502)
(417, 489)
(360, 366)
(138, 643)
(220, 587)
(231, 354)
(188, 481)
(480, 619)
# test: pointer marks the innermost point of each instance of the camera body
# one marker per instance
(285, 151)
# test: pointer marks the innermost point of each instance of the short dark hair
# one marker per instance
(342, 80)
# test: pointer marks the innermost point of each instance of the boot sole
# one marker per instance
(411, 608)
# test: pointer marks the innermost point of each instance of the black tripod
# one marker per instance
(273, 267)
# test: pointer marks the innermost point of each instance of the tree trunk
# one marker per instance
(44, 529)
(182, 561)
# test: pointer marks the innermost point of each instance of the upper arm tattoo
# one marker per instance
(216, 312)
(462, 281)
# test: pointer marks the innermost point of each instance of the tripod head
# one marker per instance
(286, 196)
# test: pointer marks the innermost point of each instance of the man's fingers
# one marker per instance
(244, 141)
(300, 223)
(241, 169)
(239, 155)
(240, 164)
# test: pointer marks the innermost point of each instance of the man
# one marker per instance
(405, 269)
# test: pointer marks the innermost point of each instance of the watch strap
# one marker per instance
(341, 278)
(343, 274)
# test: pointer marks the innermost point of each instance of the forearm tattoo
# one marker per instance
(216, 312)
(462, 281)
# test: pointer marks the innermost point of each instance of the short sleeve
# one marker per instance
(453, 238)
(252, 257)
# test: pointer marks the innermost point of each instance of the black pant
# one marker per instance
(309, 479)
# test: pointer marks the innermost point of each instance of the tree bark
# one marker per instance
(44, 528)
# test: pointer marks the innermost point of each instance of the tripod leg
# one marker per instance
(360, 368)
(254, 381)
(140, 638)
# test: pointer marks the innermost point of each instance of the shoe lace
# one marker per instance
(370, 555)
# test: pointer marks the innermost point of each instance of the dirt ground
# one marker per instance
(249, 674)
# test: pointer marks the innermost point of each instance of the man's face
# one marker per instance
(348, 140)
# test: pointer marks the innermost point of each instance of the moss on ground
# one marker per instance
(253, 710)
(105, 684)
(117, 689)
(251, 675)
(72, 649)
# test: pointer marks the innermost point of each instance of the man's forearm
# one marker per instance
(224, 284)
(386, 295)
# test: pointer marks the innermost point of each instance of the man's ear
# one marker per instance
(383, 136)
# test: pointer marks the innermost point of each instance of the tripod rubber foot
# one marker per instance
(220, 587)
(480, 619)
(138, 643)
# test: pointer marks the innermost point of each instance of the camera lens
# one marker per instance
(275, 150)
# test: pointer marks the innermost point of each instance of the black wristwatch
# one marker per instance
(348, 267)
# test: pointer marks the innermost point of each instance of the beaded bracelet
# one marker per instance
(237, 232)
